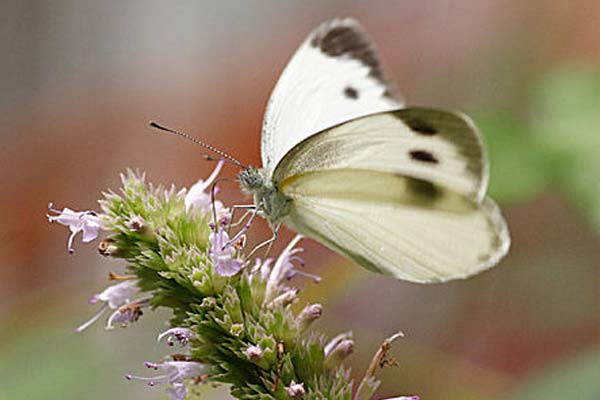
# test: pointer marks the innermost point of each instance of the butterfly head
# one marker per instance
(272, 204)
(252, 180)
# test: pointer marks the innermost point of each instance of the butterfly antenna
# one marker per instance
(192, 139)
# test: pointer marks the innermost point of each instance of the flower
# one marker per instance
(87, 222)
(136, 224)
(174, 374)
(198, 198)
(338, 349)
(333, 343)
(295, 390)
(253, 352)
(263, 268)
(309, 314)
(181, 335)
(127, 313)
(114, 297)
(284, 268)
(221, 252)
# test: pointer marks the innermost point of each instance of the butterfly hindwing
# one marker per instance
(334, 76)
(404, 227)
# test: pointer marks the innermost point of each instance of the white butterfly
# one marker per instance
(401, 191)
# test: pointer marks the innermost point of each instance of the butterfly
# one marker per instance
(399, 190)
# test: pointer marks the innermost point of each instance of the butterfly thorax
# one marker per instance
(267, 198)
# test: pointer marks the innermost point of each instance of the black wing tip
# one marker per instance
(345, 37)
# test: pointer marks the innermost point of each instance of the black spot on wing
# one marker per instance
(455, 129)
(351, 93)
(423, 190)
(345, 38)
(417, 124)
(424, 156)
(421, 126)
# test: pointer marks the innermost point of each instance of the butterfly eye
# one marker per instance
(251, 179)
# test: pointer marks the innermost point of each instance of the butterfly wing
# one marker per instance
(401, 193)
(398, 226)
(438, 146)
(333, 77)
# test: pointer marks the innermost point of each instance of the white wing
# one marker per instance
(333, 77)
(400, 226)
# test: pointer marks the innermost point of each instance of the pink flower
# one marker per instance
(127, 313)
(199, 198)
(181, 335)
(114, 297)
(253, 352)
(284, 268)
(295, 390)
(222, 253)
(87, 222)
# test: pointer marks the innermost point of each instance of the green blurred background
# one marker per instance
(80, 79)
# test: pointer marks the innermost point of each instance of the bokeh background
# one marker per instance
(80, 79)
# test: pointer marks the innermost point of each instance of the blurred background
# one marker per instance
(80, 79)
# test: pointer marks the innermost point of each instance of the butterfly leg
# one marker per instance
(269, 242)
(248, 209)
(245, 228)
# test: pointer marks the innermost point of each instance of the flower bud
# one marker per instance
(136, 224)
(253, 353)
(287, 297)
(295, 390)
(342, 349)
(310, 313)
(107, 248)
(237, 329)
(208, 303)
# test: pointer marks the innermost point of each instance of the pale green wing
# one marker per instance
(405, 227)
(438, 146)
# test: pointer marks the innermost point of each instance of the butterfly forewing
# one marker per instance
(333, 77)
(438, 146)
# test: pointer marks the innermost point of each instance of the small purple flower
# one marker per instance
(114, 297)
(338, 353)
(341, 344)
(295, 390)
(263, 268)
(87, 222)
(127, 313)
(198, 197)
(174, 374)
(136, 224)
(253, 353)
(222, 253)
(284, 268)
(288, 296)
(181, 335)
(308, 315)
